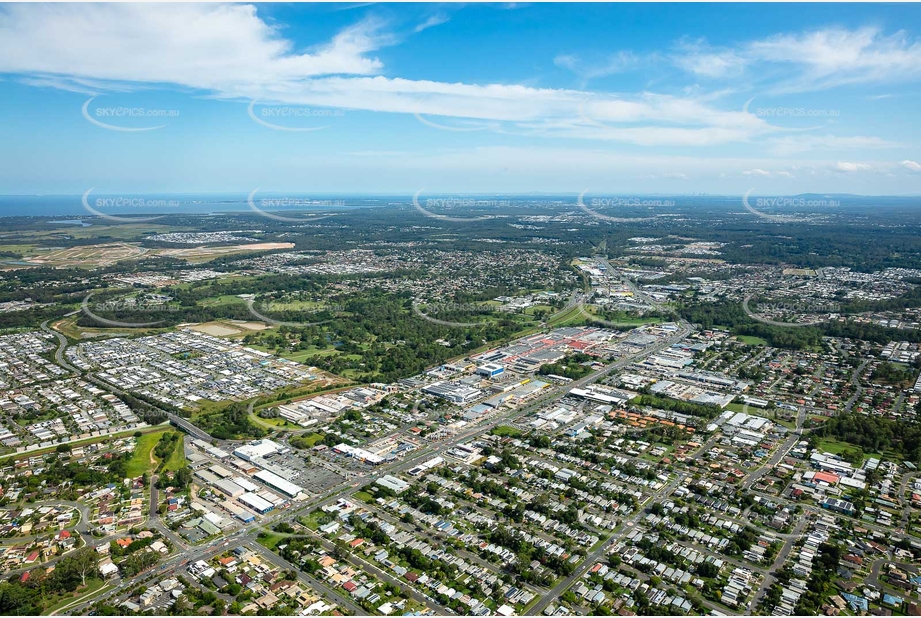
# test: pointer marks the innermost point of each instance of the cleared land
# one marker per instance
(89, 256)
(107, 254)
(216, 329)
(143, 460)
(203, 254)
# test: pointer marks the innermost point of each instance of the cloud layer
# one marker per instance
(229, 51)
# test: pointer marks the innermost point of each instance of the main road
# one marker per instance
(246, 534)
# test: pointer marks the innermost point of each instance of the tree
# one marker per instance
(84, 563)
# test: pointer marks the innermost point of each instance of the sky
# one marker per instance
(460, 98)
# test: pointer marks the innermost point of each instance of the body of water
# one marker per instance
(202, 204)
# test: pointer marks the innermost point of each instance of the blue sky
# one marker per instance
(393, 98)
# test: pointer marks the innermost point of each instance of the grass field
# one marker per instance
(312, 439)
(142, 460)
(276, 422)
(270, 541)
(177, 458)
(748, 339)
(70, 329)
(312, 520)
(768, 414)
(93, 587)
(364, 496)
(84, 442)
(571, 316)
(300, 356)
(221, 301)
(505, 430)
(587, 312)
(830, 445)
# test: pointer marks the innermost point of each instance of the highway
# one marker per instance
(246, 534)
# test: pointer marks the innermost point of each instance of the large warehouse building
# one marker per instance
(229, 488)
(277, 483)
(254, 502)
(257, 449)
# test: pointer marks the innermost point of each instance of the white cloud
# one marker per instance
(210, 46)
(700, 59)
(567, 61)
(845, 166)
(795, 144)
(617, 63)
(837, 56)
(672, 110)
(434, 20)
(761, 173)
(911, 165)
(823, 58)
(229, 52)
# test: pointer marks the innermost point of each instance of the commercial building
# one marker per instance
(358, 453)
(257, 449)
(455, 393)
(220, 471)
(245, 483)
(392, 482)
(276, 482)
(838, 506)
(207, 477)
(241, 514)
(229, 488)
(490, 370)
(254, 502)
(602, 395)
(466, 453)
(426, 466)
